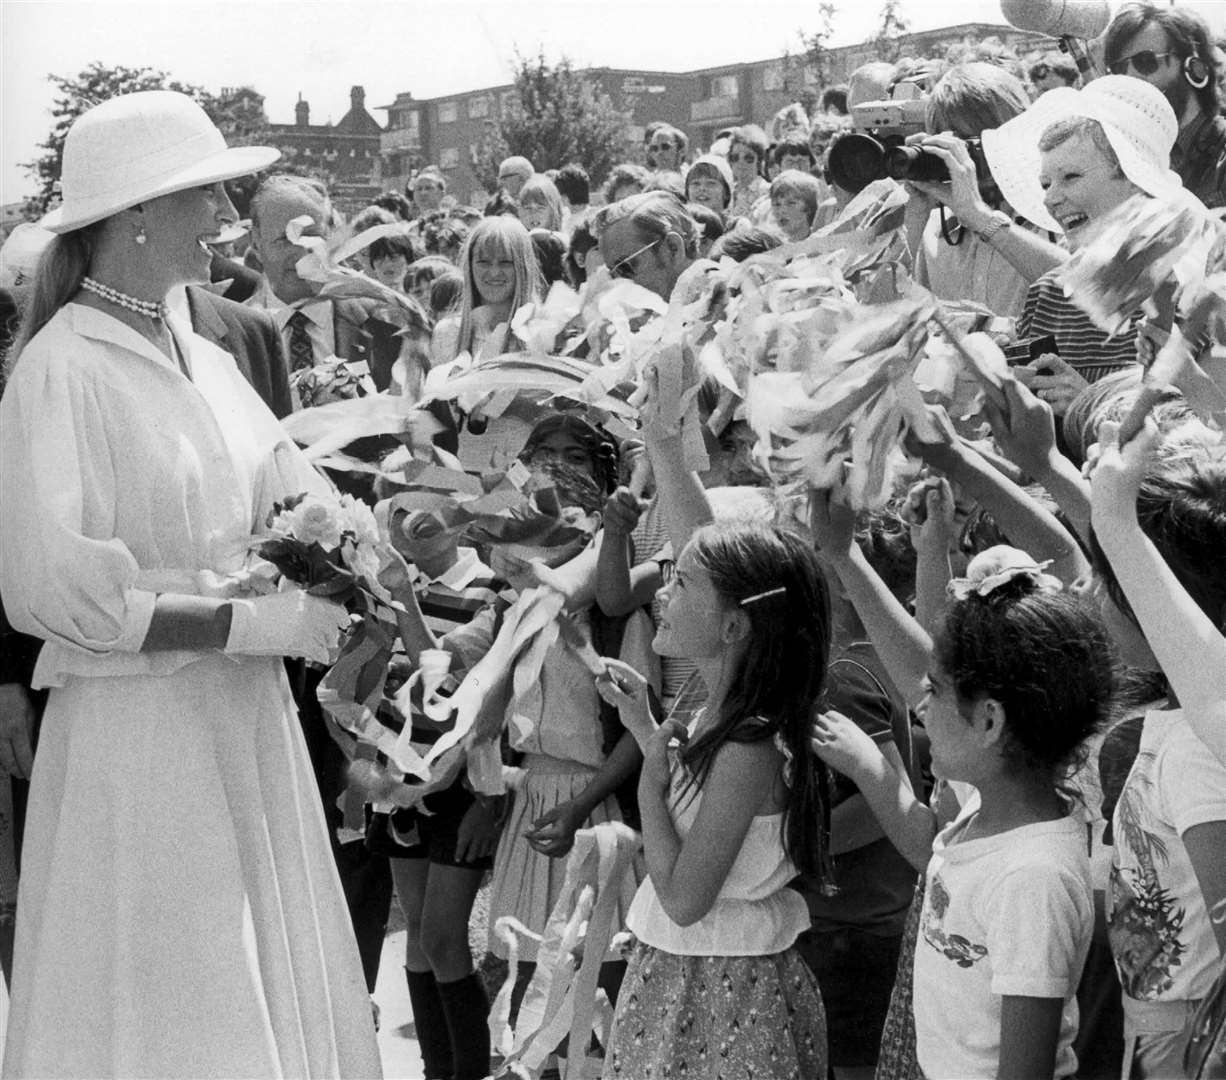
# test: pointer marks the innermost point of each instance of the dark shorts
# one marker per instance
(436, 831)
(855, 971)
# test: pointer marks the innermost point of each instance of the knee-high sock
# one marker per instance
(430, 1020)
(467, 1007)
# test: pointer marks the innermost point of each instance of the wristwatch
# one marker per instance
(1000, 220)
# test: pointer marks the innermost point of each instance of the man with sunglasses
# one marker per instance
(1171, 48)
(648, 238)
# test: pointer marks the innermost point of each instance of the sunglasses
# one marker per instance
(1144, 62)
(750, 158)
(624, 268)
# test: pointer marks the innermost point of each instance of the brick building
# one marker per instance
(346, 155)
(447, 131)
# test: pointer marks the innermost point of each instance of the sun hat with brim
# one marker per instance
(140, 146)
(1139, 124)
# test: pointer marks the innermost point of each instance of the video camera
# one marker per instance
(877, 148)
(859, 157)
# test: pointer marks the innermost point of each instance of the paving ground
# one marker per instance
(397, 1035)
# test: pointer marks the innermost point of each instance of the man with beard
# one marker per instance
(1170, 48)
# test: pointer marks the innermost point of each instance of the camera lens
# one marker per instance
(854, 161)
(915, 163)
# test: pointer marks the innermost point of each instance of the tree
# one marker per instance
(891, 29)
(558, 115)
(817, 45)
(239, 115)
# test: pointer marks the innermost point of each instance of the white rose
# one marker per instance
(316, 521)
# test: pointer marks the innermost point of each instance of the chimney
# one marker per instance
(357, 98)
(302, 113)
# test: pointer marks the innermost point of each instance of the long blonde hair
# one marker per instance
(56, 281)
(507, 234)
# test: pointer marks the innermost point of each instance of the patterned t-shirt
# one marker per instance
(1161, 936)
(1009, 915)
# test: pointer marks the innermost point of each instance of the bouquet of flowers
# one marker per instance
(329, 546)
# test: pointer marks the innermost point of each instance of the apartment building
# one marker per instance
(448, 131)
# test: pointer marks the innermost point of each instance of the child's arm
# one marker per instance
(937, 533)
(1204, 845)
(900, 641)
(553, 833)
(689, 874)
(686, 508)
(1025, 430)
(620, 588)
(908, 823)
(1189, 648)
(1028, 526)
(1029, 1037)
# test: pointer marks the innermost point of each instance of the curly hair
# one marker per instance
(1045, 656)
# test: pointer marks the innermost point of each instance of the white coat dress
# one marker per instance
(179, 913)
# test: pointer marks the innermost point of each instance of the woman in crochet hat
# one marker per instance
(179, 914)
(1065, 164)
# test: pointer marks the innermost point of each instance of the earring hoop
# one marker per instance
(1194, 81)
(141, 238)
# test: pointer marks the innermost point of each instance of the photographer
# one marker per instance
(986, 256)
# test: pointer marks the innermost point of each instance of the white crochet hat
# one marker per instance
(138, 147)
(1139, 124)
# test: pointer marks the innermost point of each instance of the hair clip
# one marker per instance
(991, 569)
(780, 591)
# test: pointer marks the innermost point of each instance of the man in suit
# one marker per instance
(314, 327)
(251, 337)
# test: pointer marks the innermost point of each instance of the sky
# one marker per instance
(287, 47)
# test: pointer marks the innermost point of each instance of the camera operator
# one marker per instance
(986, 256)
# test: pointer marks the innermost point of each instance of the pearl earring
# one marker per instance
(141, 238)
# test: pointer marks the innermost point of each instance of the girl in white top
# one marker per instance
(1018, 676)
(714, 987)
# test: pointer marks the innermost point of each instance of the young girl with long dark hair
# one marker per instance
(732, 812)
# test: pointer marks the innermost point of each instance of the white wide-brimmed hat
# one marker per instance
(137, 147)
(1137, 119)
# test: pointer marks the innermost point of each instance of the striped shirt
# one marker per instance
(1079, 342)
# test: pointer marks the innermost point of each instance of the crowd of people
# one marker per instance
(929, 781)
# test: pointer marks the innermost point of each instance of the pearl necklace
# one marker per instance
(148, 308)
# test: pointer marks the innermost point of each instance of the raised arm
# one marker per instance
(1189, 647)
(1027, 524)
(901, 643)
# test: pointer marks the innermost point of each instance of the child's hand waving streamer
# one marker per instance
(1119, 470)
(626, 690)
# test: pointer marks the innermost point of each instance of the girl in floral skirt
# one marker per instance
(731, 807)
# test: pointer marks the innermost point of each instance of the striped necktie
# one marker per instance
(301, 351)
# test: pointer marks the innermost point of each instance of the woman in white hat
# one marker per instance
(1066, 163)
(179, 914)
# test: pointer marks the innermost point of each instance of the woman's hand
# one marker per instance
(477, 835)
(1051, 380)
(842, 744)
(1117, 471)
(1025, 429)
(553, 833)
(832, 524)
(961, 194)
